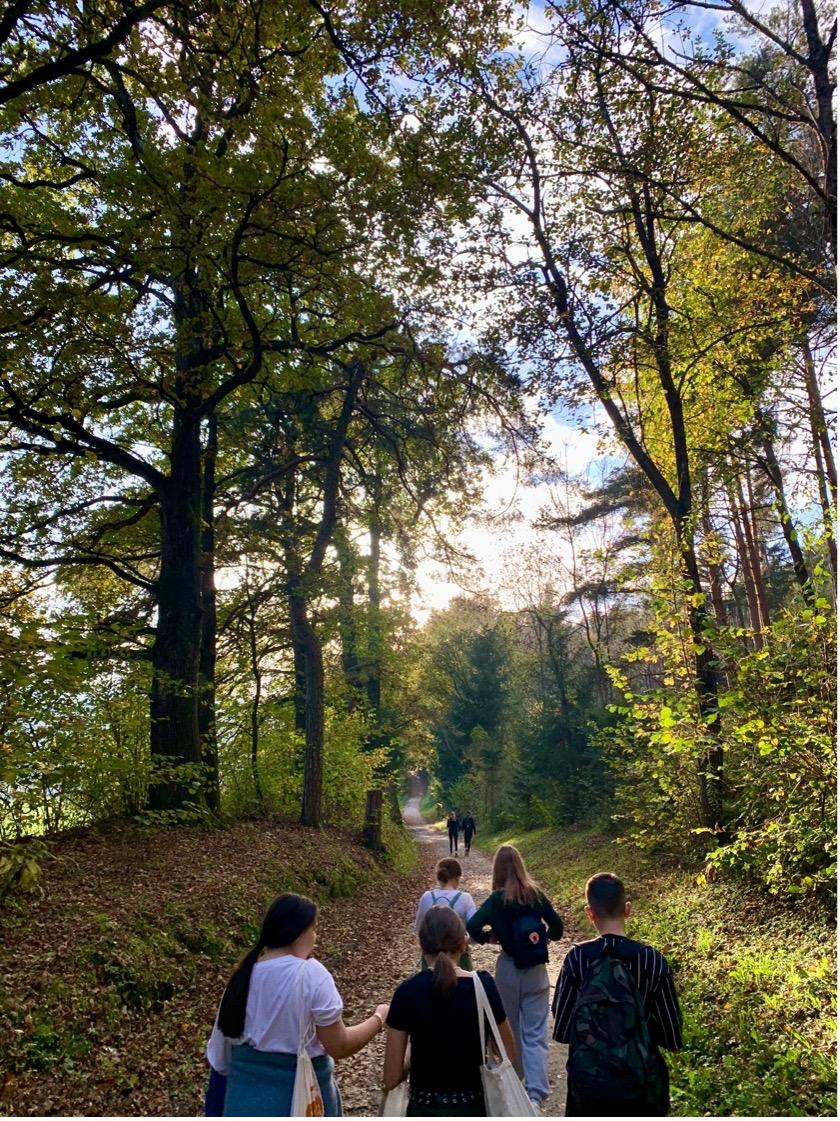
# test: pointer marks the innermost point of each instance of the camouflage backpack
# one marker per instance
(611, 1053)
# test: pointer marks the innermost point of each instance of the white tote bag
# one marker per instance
(395, 1102)
(306, 1096)
(504, 1094)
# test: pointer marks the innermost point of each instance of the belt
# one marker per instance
(438, 1098)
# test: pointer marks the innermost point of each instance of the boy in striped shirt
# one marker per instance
(608, 909)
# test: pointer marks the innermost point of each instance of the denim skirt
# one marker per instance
(261, 1083)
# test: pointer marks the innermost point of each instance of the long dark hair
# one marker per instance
(285, 920)
(442, 932)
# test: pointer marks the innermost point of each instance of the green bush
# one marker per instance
(757, 981)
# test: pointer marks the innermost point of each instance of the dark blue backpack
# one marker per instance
(530, 939)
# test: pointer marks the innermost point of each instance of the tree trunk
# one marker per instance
(823, 457)
(746, 567)
(713, 565)
(207, 660)
(757, 544)
(774, 473)
(175, 738)
(256, 676)
(819, 425)
(374, 658)
(306, 638)
(347, 615)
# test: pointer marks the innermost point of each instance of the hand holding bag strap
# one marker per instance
(485, 1009)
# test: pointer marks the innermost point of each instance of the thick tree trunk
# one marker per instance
(207, 660)
(175, 738)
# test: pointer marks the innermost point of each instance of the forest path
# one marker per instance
(404, 953)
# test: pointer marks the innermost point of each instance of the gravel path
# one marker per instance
(378, 950)
(478, 868)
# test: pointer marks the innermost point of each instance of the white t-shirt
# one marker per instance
(282, 1000)
(464, 905)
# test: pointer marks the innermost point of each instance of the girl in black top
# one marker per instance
(436, 1011)
(521, 918)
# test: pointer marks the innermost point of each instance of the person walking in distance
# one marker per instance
(615, 1005)
(522, 919)
(452, 828)
(469, 830)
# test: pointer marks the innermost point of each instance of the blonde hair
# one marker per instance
(510, 876)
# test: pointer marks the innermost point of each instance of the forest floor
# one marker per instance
(110, 981)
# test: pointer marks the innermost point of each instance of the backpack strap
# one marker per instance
(455, 899)
(434, 900)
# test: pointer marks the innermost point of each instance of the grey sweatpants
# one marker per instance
(524, 993)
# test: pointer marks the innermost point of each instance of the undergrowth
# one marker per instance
(757, 981)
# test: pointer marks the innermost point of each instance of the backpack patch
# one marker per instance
(530, 940)
(611, 1052)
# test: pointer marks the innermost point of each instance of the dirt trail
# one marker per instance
(476, 880)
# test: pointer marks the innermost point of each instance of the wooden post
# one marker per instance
(372, 832)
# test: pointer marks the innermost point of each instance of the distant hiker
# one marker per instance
(522, 920)
(615, 1005)
(274, 999)
(448, 874)
(468, 828)
(436, 1011)
(452, 827)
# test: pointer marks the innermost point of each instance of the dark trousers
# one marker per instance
(591, 1104)
(467, 840)
(453, 841)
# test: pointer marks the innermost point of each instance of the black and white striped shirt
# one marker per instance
(649, 970)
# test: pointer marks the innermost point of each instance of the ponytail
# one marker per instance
(235, 1000)
(286, 919)
(442, 932)
(444, 973)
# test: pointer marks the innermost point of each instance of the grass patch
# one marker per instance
(400, 850)
(756, 980)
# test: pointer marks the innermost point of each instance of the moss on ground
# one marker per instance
(757, 981)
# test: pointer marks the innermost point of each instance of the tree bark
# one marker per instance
(774, 473)
(736, 513)
(175, 739)
(306, 637)
(207, 659)
(374, 658)
(350, 667)
(819, 424)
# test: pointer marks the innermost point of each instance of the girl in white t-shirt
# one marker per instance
(448, 874)
(276, 997)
